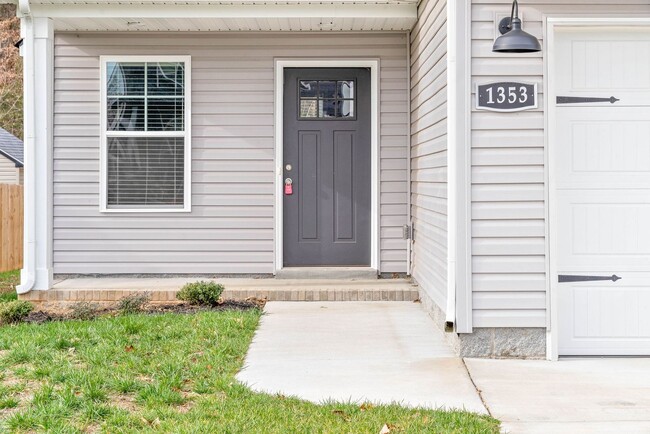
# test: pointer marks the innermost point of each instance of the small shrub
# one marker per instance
(133, 303)
(201, 293)
(14, 311)
(84, 310)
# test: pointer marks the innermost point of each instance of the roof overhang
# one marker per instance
(204, 15)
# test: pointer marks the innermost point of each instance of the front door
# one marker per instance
(601, 175)
(327, 167)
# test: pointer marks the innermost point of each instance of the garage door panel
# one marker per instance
(607, 142)
(601, 63)
(603, 318)
(604, 229)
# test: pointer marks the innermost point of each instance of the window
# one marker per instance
(145, 134)
(326, 99)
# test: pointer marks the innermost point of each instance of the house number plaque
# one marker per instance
(507, 96)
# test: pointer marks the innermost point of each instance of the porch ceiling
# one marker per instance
(210, 15)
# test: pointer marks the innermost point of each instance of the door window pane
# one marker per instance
(346, 108)
(345, 89)
(308, 89)
(309, 108)
(326, 89)
(326, 99)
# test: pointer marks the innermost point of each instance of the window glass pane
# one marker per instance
(165, 79)
(346, 108)
(124, 79)
(145, 171)
(308, 89)
(345, 89)
(327, 89)
(165, 114)
(308, 108)
(125, 114)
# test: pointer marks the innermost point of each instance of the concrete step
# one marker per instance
(108, 290)
(359, 273)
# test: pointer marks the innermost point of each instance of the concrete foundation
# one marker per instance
(504, 343)
(492, 343)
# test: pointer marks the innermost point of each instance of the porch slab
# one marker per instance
(361, 352)
(164, 289)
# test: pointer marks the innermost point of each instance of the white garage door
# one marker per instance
(600, 184)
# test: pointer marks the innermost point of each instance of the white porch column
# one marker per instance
(38, 63)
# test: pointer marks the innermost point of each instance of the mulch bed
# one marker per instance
(42, 316)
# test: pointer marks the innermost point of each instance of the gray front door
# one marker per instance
(327, 158)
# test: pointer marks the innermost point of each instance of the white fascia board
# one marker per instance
(404, 11)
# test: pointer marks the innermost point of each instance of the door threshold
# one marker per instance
(326, 273)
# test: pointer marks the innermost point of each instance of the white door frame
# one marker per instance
(552, 23)
(280, 65)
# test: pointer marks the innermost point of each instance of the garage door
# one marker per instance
(600, 185)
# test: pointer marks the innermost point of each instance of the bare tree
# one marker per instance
(11, 73)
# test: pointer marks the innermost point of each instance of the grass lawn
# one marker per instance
(170, 373)
(8, 282)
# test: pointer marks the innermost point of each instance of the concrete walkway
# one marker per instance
(587, 395)
(357, 351)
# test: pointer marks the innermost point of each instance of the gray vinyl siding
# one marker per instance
(508, 199)
(9, 173)
(429, 149)
(231, 226)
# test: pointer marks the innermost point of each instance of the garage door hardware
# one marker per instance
(564, 278)
(583, 100)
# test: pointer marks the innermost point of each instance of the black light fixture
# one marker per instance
(513, 39)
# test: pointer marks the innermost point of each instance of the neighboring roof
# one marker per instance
(11, 147)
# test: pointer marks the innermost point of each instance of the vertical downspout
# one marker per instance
(452, 161)
(409, 248)
(28, 273)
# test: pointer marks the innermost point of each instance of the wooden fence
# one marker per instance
(11, 227)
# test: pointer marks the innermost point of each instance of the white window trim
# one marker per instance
(187, 134)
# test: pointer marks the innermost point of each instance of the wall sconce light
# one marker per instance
(513, 39)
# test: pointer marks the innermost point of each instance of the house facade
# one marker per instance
(11, 158)
(239, 138)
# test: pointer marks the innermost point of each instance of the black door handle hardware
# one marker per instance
(583, 100)
(565, 278)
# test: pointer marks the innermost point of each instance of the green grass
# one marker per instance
(8, 282)
(170, 373)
